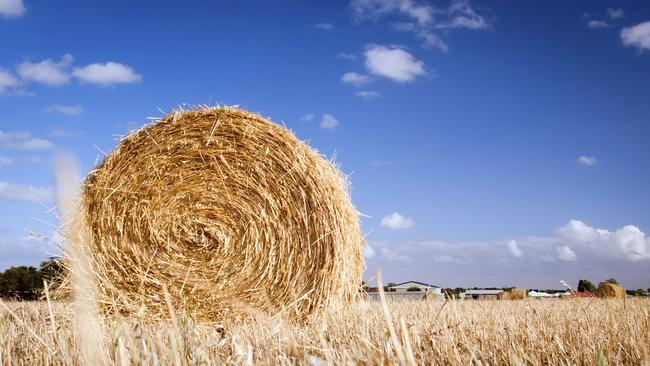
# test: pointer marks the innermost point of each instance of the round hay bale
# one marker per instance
(518, 294)
(227, 211)
(610, 290)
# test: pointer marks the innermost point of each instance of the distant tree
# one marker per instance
(413, 289)
(23, 283)
(586, 286)
(53, 271)
(611, 280)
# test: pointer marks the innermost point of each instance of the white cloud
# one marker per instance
(637, 36)
(25, 193)
(9, 139)
(23, 140)
(36, 144)
(397, 221)
(393, 63)
(628, 242)
(463, 16)
(596, 24)
(70, 110)
(47, 71)
(393, 255)
(429, 39)
(368, 252)
(565, 253)
(106, 74)
(328, 122)
(577, 231)
(420, 18)
(356, 79)
(572, 252)
(7, 81)
(367, 94)
(615, 13)
(4, 161)
(587, 160)
(11, 8)
(325, 26)
(375, 9)
(432, 40)
(347, 56)
(514, 249)
(307, 117)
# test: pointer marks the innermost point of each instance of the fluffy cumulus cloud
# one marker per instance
(25, 193)
(11, 8)
(46, 72)
(565, 253)
(328, 122)
(637, 36)
(628, 242)
(397, 221)
(421, 18)
(393, 63)
(57, 73)
(109, 73)
(24, 141)
(7, 81)
(587, 160)
(514, 249)
(356, 79)
(70, 110)
(573, 251)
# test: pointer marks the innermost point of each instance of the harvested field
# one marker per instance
(553, 332)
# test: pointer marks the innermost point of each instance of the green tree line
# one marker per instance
(26, 282)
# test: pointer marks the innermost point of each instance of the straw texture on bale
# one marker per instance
(225, 211)
(610, 290)
(518, 294)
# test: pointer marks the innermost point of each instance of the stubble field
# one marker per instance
(481, 332)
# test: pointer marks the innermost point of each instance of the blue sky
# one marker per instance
(466, 126)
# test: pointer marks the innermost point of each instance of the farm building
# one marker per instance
(482, 294)
(415, 286)
(411, 290)
(538, 294)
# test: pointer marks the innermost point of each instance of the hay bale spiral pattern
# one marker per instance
(227, 211)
